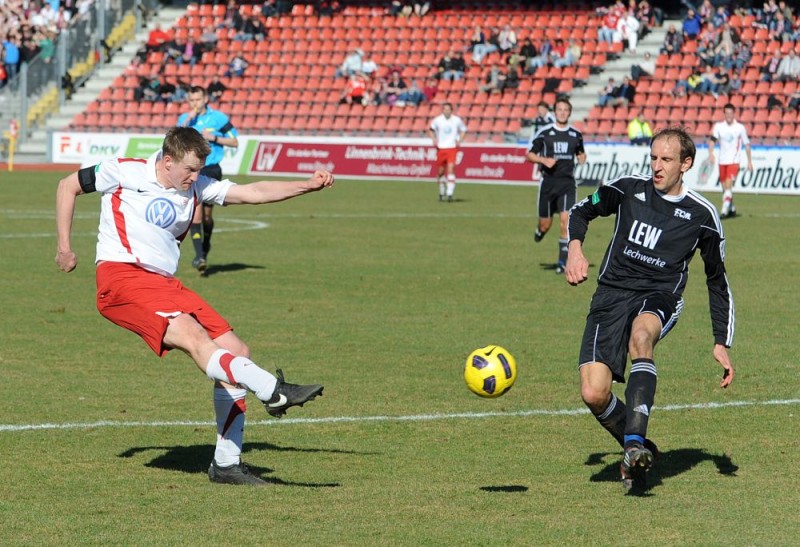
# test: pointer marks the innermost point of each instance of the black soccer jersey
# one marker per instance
(561, 144)
(655, 238)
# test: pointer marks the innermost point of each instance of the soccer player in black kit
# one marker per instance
(555, 148)
(660, 223)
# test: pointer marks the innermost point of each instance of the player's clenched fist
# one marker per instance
(321, 179)
(67, 261)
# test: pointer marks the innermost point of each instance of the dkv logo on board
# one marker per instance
(267, 154)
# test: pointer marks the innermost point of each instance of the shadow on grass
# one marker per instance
(233, 267)
(507, 488)
(197, 458)
(669, 464)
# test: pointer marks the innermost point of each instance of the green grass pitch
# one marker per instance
(380, 292)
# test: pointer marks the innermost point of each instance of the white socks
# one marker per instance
(441, 189)
(223, 366)
(727, 198)
(229, 407)
(451, 185)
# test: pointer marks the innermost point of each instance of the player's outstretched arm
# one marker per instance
(68, 190)
(721, 355)
(267, 191)
(577, 269)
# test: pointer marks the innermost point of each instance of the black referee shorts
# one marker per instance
(215, 172)
(556, 195)
(608, 325)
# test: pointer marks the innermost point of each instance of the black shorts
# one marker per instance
(215, 172)
(608, 325)
(556, 195)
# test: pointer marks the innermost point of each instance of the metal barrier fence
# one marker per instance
(79, 49)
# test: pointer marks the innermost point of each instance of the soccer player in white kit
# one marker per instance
(447, 131)
(146, 209)
(732, 138)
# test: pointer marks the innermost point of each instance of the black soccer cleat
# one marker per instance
(234, 474)
(560, 268)
(538, 236)
(634, 467)
(287, 395)
(200, 264)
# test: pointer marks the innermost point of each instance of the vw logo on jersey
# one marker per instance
(161, 212)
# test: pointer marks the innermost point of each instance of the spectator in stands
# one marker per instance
(542, 59)
(645, 68)
(572, 54)
(608, 29)
(722, 84)
(770, 69)
(47, 49)
(557, 52)
(794, 101)
(157, 38)
(401, 8)
(269, 8)
(692, 25)
(451, 66)
(430, 89)
(216, 89)
(11, 47)
(780, 28)
(368, 66)
(639, 130)
(720, 17)
(706, 12)
(3, 75)
(672, 41)
(689, 85)
(412, 96)
(512, 78)
(328, 8)
(624, 94)
(647, 17)
(742, 54)
(789, 69)
(421, 7)
(191, 53)
(149, 88)
(233, 18)
(527, 52)
(544, 117)
(209, 39)
(490, 46)
(352, 64)
(507, 39)
(478, 37)
(493, 80)
(608, 92)
(356, 90)
(236, 66)
(628, 30)
(392, 90)
(709, 81)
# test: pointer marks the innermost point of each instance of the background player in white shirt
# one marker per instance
(447, 131)
(732, 137)
(146, 208)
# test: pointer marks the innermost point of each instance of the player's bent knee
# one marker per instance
(594, 397)
(185, 333)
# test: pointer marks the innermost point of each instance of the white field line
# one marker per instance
(367, 419)
(243, 225)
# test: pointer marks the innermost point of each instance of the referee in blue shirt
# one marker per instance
(218, 130)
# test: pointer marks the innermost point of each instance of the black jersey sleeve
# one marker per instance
(604, 202)
(720, 299)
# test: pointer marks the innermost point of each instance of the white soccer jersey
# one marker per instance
(142, 222)
(732, 140)
(447, 130)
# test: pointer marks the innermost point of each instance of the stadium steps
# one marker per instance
(34, 150)
(584, 98)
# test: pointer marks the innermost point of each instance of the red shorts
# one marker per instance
(445, 156)
(143, 302)
(728, 171)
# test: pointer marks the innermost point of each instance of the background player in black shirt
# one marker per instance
(659, 225)
(555, 148)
